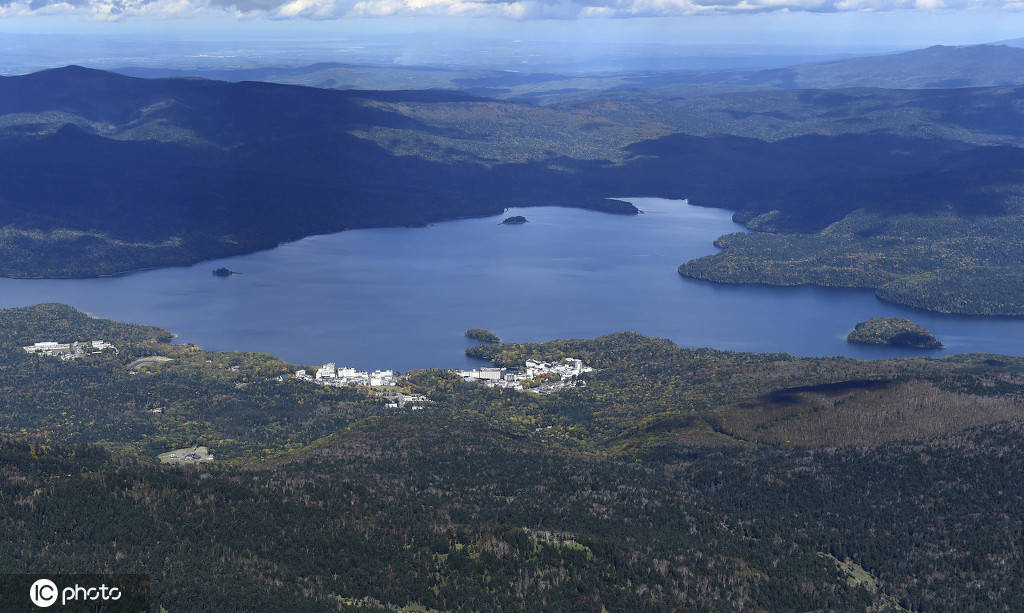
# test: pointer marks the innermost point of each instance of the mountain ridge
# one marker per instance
(173, 171)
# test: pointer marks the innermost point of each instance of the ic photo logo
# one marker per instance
(44, 593)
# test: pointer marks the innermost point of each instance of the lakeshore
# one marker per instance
(370, 297)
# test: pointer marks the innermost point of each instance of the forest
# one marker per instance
(675, 479)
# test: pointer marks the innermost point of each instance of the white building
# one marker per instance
(327, 371)
(69, 351)
(47, 347)
(330, 374)
(485, 374)
(99, 346)
(382, 377)
(490, 374)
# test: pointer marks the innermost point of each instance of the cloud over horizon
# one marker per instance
(513, 9)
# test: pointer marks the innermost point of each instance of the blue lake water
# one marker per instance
(402, 297)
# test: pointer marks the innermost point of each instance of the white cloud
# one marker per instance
(317, 9)
(525, 9)
(102, 10)
(513, 9)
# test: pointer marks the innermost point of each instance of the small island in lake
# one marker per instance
(224, 272)
(515, 220)
(484, 336)
(894, 332)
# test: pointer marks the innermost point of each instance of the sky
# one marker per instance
(820, 27)
(953, 15)
(899, 24)
(276, 10)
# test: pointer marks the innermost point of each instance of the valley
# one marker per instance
(749, 321)
(880, 172)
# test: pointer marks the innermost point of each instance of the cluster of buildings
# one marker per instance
(69, 351)
(559, 375)
(535, 376)
(330, 374)
(400, 401)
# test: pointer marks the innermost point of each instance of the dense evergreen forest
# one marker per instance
(675, 479)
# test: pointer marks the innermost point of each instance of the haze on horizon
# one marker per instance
(513, 34)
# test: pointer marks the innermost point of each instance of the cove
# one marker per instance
(402, 297)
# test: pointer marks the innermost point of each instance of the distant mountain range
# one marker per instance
(1012, 42)
(935, 67)
(938, 67)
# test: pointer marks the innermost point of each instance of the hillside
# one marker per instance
(677, 479)
(107, 174)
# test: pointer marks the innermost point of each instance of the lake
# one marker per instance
(402, 297)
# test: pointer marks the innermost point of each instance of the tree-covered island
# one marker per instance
(482, 335)
(515, 220)
(895, 332)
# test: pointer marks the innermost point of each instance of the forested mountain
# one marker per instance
(148, 172)
(105, 174)
(676, 479)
